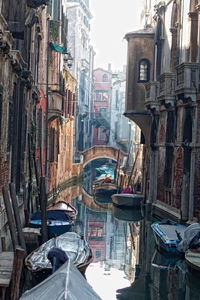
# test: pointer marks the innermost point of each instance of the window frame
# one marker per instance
(147, 62)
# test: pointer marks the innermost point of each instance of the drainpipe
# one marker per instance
(47, 107)
(152, 177)
(192, 168)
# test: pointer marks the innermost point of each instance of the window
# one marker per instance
(105, 78)
(101, 134)
(102, 112)
(98, 96)
(144, 70)
(98, 253)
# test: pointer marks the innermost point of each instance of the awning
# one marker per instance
(58, 48)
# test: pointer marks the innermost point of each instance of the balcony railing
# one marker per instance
(187, 81)
(167, 87)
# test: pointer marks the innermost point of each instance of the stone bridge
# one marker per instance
(102, 151)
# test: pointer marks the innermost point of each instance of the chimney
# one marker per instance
(109, 68)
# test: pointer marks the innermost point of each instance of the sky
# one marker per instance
(112, 19)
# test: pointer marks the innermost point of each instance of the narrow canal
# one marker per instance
(126, 263)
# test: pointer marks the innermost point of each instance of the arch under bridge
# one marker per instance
(102, 151)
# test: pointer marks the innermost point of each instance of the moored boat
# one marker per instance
(65, 283)
(65, 207)
(127, 214)
(76, 248)
(168, 235)
(192, 258)
(57, 222)
(130, 200)
(105, 189)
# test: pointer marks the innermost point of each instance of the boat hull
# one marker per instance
(65, 207)
(106, 189)
(192, 258)
(57, 222)
(127, 214)
(56, 228)
(130, 200)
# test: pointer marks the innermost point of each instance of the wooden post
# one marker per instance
(11, 220)
(122, 184)
(133, 168)
(16, 275)
(43, 207)
(115, 175)
(3, 243)
(17, 217)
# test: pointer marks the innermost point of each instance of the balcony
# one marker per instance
(85, 64)
(187, 82)
(151, 101)
(6, 39)
(166, 92)
(55, 105)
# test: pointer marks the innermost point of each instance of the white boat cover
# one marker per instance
(66, 283)
(189, 234)
(77, 250)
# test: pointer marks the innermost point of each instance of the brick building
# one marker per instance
(101, 109)
(37, 101)
(162, 97)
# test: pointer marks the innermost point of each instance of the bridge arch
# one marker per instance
(102, 151)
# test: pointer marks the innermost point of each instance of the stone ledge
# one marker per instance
(163, 209)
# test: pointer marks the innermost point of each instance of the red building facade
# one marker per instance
(102, 94)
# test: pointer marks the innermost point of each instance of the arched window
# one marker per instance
(144, 70)
(105, 78)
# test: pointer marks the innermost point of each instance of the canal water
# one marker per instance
(126, 264)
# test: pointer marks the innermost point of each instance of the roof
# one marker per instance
(141, 32)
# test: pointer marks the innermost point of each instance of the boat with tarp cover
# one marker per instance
(75, 247)
(168, 235)
(57, 222)
(66, 283)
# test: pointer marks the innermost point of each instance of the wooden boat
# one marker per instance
(57, 222)
(126, 214)
(76, 248)
(130, 200)
(168, 235)
(65, 283)
(65, 207)
(192, 258)
(107, 189)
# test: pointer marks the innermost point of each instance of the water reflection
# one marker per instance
(126, 262)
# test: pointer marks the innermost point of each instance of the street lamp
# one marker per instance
(68, 59)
